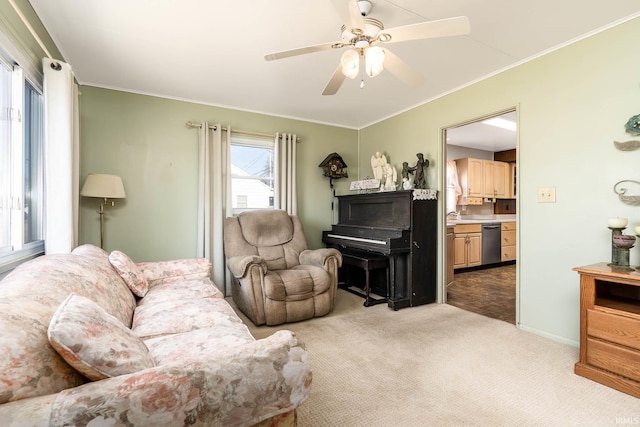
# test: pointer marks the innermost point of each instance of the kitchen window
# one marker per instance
(21, 166)
(252, 174)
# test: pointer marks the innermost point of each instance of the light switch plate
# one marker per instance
(546, 194)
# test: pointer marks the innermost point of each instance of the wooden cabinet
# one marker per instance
(508, 241)
(471, 181)
(483, 178)
(610, 327)
(495, 178)
(450, 254)
(467, 242)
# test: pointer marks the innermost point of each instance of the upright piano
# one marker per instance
(395, 225)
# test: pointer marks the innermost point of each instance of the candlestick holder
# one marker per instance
(624, 242)
(615, 251)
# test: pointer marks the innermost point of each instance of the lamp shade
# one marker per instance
(104, 186)
(350, 62)
(374, 61)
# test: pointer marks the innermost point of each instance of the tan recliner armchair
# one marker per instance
(275, 278)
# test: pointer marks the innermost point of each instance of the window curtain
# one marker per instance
(285, 196)
(61, 154)
(214, 198)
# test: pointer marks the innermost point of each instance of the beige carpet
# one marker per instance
(438, 365)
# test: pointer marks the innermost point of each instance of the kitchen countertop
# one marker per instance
(482, 219)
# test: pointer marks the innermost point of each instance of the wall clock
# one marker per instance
(334, 167)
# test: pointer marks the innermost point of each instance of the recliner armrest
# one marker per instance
(239, 265)
(319, 257)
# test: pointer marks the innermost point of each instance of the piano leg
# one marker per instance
(396, 301)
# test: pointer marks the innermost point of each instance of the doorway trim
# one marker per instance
(442, 230)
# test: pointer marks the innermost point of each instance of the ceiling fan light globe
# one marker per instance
(374, 61)
(350, 62)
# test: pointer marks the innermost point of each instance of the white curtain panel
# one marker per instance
(214, 194)
(61, 165)
(285, 191)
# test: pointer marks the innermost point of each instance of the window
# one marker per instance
(252, 174)
(21, 166)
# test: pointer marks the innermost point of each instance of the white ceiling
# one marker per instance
(212, 51)
(482, 136)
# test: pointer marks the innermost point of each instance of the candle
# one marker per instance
(618, 222)
(637, 229)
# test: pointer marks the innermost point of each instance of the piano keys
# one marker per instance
(397, 226)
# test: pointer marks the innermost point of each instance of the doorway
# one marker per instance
(480, 204)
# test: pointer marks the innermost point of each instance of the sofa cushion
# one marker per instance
(95, 343)
(172, 317)
(176, 291)
(129, 272)
(197, 345)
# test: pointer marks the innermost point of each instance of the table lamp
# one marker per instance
(104, 187)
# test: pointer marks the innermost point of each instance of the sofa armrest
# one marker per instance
(239, 265)
(179, 269)
(319, 257)
(237, 386)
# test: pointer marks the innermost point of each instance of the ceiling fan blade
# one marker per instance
(301, 51)
(335, 82)
(457, 26)
(349, 13)
(401, 69)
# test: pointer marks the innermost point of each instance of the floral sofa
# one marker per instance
(91, 338)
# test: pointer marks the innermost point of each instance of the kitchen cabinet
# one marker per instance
(471, 181)
(483, 179)
(610, 327)
(508, 241)
(467, 243)
(495, 178)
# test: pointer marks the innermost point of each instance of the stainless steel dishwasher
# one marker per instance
(491, 243)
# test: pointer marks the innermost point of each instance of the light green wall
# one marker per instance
(572, 104)
(144, 140)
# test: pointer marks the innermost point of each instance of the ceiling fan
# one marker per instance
(362, 36)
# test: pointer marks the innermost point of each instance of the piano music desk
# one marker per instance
(367, 262)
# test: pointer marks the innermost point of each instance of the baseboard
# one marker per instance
(552, 337)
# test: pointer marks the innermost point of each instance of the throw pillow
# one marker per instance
(129, 272)
(94, 342)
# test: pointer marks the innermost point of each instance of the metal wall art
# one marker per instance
(632, 127)
(622, 192)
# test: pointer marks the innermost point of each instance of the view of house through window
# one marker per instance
(252, 174)
(21, 165)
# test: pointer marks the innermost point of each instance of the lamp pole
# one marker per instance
(101, 212)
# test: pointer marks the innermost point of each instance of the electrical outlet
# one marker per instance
(546, 194)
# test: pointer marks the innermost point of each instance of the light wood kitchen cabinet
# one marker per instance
(495, 179)
(508, 241)
(471, 181)
(483, 178)
(610, 327)
(467, 243)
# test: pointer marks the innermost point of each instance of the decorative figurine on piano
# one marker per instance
(390, 178)
(378, 165)
(406, 182)
(419, 179)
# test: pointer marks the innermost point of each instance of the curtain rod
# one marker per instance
(243, 132)
(54, 64)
